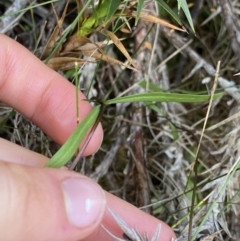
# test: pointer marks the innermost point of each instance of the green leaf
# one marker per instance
(161, 97)
(169, 10)
(66, 152)
(111, 8)
(139, 10)
(186, 11)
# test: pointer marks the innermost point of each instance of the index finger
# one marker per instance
(41, 94)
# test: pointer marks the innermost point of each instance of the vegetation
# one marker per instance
(167, 95)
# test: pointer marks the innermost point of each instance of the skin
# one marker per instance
(32, 203)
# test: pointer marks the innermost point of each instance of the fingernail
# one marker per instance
(84, 201)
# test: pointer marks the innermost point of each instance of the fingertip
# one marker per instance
(47, 204)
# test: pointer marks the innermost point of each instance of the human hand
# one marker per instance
(46, 204)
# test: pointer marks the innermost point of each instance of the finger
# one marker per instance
(138, 219)
(41, 94)
(134, 218)
(20, 155)
(45, 204)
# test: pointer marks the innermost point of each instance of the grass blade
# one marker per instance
(112, 7)
(161, 97)
(169, 10)
(186, 11)
(139, 10)
(66, 152)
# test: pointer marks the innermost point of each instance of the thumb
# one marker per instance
(46, 204)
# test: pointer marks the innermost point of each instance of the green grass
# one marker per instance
(166, 104)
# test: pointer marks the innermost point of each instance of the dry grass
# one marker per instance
(149, 151)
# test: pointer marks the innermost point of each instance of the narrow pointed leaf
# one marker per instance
(112, 7)
(66, 152)
(120, 46)
(161, 97)
(186, 11)
(139, 9)
(156, 20)
(169, 10)
(107, 58)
